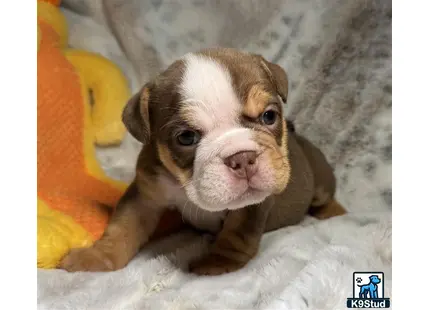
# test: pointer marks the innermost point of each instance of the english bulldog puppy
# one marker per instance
(215, 146)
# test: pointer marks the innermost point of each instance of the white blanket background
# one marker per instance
(338, 57)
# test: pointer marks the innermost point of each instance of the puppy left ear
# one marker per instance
(135, 115)
(277, 76)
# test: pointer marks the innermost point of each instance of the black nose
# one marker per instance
(242, 164)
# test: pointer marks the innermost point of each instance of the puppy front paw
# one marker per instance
(213, 265)
(87, 259)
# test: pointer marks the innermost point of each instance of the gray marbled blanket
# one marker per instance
(337, 54)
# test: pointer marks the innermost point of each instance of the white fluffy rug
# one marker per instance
(307, 267)
(338, 57)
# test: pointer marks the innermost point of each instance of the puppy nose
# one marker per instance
(242, 164)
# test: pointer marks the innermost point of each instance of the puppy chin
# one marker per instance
(250, 197)
(215, 190)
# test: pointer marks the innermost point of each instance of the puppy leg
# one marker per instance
(130, 227)
(236, 244)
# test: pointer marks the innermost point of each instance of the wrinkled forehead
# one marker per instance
(218, 89)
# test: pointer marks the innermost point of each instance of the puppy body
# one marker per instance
(217, 148)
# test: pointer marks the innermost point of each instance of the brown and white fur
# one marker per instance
(217, 148)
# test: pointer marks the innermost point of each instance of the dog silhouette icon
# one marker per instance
(370, 290)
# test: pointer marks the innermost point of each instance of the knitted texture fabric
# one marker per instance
(64, 140)
(72, 187)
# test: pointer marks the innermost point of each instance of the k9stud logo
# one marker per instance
(368, 291)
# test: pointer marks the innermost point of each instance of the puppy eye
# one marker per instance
(269, 117)
(188, 138)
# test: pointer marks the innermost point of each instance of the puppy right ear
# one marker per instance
(135, 115)
(277, 76)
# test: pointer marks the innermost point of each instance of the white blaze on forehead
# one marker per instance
(207, 92)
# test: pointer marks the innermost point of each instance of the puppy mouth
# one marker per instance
(252, 193)
(230, 192)
(248, 187)
(249, 191)
(248, 196)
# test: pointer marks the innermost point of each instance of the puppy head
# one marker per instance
(216, 120)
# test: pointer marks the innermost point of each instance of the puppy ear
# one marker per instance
(135, 115)
(277, 76)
